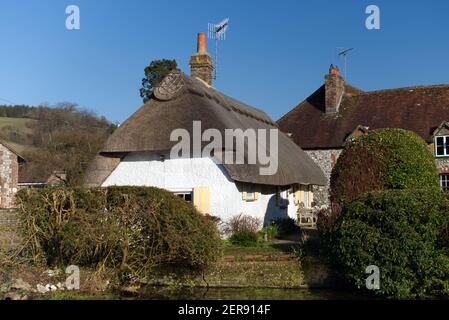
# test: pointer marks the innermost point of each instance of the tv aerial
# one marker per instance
(343, 53)
(217, 32)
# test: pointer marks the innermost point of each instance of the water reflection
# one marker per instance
(164, 293)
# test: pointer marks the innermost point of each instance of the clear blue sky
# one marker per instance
(276, 53)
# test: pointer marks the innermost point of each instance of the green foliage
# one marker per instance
(382, 159)
(400, 231)
(286, 226)
(243, 230)
(271, 232)
(244, 238)
(130, 229)
(154, 73)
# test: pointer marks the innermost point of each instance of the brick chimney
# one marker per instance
(335, 89)
(201, 64)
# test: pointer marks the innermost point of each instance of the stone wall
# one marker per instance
(201, 66)
(326, 159)
(9, 169)
(9, 222)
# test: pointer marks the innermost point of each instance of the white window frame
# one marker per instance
(250, 193)
(444, 181)
(307, 198)
(445, 146)
(184, 192)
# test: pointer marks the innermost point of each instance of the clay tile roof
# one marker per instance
(420, 109)
(179, 101)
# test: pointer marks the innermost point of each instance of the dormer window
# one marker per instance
(442, 146)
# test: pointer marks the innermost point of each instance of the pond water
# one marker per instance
(162, 293)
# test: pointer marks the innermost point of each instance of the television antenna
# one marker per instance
(217, 32)
(343, 53)
(7, 101)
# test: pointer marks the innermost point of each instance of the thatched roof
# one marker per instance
(179, 101)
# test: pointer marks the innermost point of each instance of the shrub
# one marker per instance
(243, 230)
(271, 231)
(382, 159)
(244, 238)
(130, 229)
(286, 226)
(402, 233)
(242, 222)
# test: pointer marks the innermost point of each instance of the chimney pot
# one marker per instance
(334, 70)
(202, 48)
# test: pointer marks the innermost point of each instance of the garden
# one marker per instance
(387, 211)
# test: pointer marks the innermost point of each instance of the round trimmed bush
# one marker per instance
(402, 232)
(379, 160)
(130, 229)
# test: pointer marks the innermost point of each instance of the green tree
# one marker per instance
(154, 73)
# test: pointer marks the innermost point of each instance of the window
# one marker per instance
(186, 196)
(250, 194)
(307, 198)
(444, 182)
(304, 195)
(442, 146)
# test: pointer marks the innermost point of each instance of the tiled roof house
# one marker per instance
(336, 112)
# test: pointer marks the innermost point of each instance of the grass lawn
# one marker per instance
(66, 295)
(272, 248)
(19, 123)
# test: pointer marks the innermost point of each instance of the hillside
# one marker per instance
(60, 138)
(13, 126)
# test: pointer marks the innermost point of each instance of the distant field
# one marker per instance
(19, 124)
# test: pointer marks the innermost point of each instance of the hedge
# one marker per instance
(380, 160)
(404, 233)
(130, 229)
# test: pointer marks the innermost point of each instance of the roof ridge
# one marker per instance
(417, 87)
(229, 103)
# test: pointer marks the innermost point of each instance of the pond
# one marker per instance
(163, 293)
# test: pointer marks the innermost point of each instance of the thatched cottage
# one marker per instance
(337, 112)
(139, 152)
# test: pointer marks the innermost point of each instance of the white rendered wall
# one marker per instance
(147, 169)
